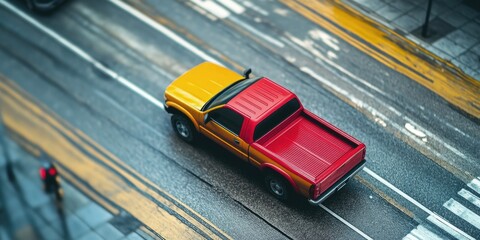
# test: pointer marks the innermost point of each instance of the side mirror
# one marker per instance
(206, 118)
(247, 72)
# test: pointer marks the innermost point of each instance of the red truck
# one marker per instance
(265, 124)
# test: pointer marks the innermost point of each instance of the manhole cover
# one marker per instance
(437, 28)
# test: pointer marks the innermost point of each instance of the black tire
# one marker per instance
(278, 186)
(184, 128)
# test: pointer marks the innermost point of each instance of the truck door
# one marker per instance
(224, 127)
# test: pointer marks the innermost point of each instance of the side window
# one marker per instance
(228, 119)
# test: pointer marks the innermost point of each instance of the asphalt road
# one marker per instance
(333, 79)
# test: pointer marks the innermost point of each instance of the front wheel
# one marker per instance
(278, 186)
(183, 127)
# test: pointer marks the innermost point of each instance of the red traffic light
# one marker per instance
(43, 173)
(48, 169)
(52, 171)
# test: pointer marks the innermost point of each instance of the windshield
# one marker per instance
(228, 93)
(276, 118)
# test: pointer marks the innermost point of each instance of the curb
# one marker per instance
(467, 82)
(395, 50)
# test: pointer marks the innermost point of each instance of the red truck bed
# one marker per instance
(315, 149)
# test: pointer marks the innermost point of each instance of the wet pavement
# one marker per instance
(27, 212)
(453, 30)
(55, 97)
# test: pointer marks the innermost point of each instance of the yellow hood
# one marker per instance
(199, 84)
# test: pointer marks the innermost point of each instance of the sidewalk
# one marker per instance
(454, 27)
(26, 212)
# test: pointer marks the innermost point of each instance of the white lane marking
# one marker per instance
(400, 192)
(438, 218)
(470, 197)
(463, 212)
(141, 48)
(84, 55)
(379, 117)
(331, 55)
(345, 93)
(114, 75)
(414, 130)
(456, 151)
(433, 136)
(394, 110)
(255, 8)
(257, 32)
(222, 13)
(416, 203)
(281, 11)
(324, 81)
(127, 83)
(456, 129)
(345, 222)
(360, 104)
(475, 185)
(381, 122)
(422, 233)
(330, 41)
(458, 235)
(232, 5)
(202, 11)
(311, 50)
(213, 8)
(165, 31)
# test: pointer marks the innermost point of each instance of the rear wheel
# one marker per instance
(183, 127)
(278, 186)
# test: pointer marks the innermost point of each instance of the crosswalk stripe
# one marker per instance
(420, 233)
(463, 212)
(470, 197)
(458, 234)
(410, 237)
(475, 185)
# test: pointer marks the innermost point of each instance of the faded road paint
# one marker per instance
(39, 127)
(381, 43)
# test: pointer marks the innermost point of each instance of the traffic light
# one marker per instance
(49, 176)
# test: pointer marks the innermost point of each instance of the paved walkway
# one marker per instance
(26, 212)
(454, 28)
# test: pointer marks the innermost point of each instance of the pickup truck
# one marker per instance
(265, 124)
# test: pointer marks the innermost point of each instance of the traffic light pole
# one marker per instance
(6, 155)
(427, 19)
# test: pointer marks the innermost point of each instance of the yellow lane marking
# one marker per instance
(94, 196)
(135, 181)
(456, 87)
(41, 129)
(33, 150)
(149, 233)
(141, 177)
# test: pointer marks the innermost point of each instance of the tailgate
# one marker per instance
(315, 149)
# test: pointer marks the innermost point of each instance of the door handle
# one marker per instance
(236, 141)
